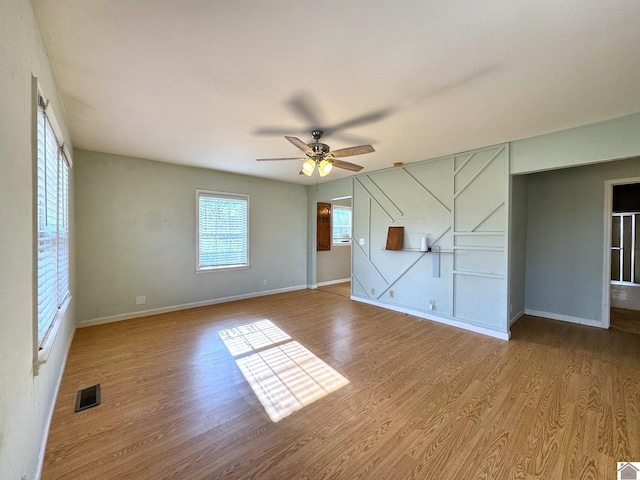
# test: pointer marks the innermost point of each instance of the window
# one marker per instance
(223, 230)
(625, 238)
(341, 225)
(52, 209)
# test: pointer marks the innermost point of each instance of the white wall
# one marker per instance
(136, 230)
(26, 401)
(565, 239)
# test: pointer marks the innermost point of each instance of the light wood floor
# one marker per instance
(424, 401)
(343, 289)
(625, 320)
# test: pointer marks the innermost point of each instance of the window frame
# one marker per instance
(228, 195)
(347, 241)
(633, 247)
(43, 344)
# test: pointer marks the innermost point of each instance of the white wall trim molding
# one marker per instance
(446, 321)
(566, 318)
(184, 306)
(515, 318)
(332, 282)
(47, 427)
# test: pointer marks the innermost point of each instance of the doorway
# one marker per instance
(333, 262)
(622, 254)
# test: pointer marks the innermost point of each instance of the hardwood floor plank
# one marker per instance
(424, 400)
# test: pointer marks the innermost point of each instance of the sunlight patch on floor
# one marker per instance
(253, 336)
(288, 377)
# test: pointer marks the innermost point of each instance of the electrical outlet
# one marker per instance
(361, 241)
(432, 304)
(265, 282)
(141, 300)
(391, 293)
(373, 291)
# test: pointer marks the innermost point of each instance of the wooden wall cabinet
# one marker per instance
(323, 222)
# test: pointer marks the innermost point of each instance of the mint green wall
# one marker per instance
(26, 400)
(518, 245)
(136, 235)
(565, 238)
(609, 140)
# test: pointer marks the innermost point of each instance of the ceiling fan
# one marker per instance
(320, 156)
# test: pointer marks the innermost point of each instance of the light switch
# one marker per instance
(361, 241)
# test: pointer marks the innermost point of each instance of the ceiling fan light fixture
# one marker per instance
(324, 168)
(308, 167)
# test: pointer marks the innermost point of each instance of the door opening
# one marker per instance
(622, 295)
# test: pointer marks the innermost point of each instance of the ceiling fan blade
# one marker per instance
(347, 165)
(351, 151)
(371, 117)
(306, 108)
(277, 159)
(300, 144)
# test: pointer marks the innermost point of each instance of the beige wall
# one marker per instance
(26, 399)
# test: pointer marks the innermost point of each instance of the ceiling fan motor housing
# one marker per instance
(320, 149)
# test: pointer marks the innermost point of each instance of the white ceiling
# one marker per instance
(196, 82)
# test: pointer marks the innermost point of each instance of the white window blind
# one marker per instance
(223, 230)
(341, 224)
(53, 225)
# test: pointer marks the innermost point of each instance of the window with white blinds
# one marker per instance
(52, 224)
(223, 230)
(341, 225)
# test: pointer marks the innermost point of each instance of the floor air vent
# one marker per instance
(88, 397)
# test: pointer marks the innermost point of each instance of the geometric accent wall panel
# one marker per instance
(419, 198)
(479, 230)
(479, 300)
(459, 203)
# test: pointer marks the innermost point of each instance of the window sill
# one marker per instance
(45, 349)
(222, 269)
(341, 244)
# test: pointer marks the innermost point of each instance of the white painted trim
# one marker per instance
(515, 318)
(447, 321)
(566, 318)
(312, 287)
(606, 270)
(184, 306)
(332, 282)
(47, 426)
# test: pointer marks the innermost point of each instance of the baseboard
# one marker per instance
(446, 321)
(515, 318)
(332, 282)
(564, 318)
(184, 306)
(47, 427)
